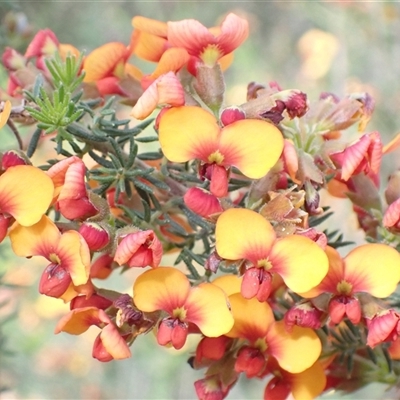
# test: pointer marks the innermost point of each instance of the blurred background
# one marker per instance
(339, 47)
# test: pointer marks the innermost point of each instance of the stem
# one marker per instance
(16, 133)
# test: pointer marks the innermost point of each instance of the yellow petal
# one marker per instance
(26, 193)
(253, 146)
(163, 288)
(252, 318)
(373, 268)
(172, 59)
(333, 277)
(38, 239)
(307, 385)
(242, 233)
(74, 254)
(299, 261)
(207, 307)
(295, 351)
(187, 133)
(230, 284)
(5, 114)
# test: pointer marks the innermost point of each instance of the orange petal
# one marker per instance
(373, 268)
(102, 61)
(230, 284)
(25, 193)
(148, 46)
(254, 146)
(309, 384)
(226, 61)
(187, 133)
(5, 114)
(38, 239)
(74, 254)
(295, 351)
(114, 343)
(252, 318)
(242, 233)
(163, 288)
(299, 261)
(149, 25)
(65, 49)
(207, 307)
(166, 89)
(172, 60)
(81, 319)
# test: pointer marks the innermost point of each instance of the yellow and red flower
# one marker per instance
(68, 254)
(188, 133)
(169, 290)
(245, 234)
(370, 268)
(109, 344)
(294, 351)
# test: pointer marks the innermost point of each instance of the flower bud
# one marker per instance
(54, 281)
(251, 361)
(12, 158)
(102, 267)
(383, 327)
(95, 235)
(305, 315)
(172, 331)
(139, 249)
(231, 114)
(94, 300)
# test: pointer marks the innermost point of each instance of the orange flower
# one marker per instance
(209, 45)
(294, 351)
(245, 234)
(68, 253)
(188, 133)
(370, 268)
(168, 289)
(108, 345)
(108, 68)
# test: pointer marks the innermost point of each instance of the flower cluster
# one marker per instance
(233, 191)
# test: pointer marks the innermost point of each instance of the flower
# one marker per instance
(71, 194)
(187, 133)
(306, 385)
(108, 345)
(68, 253)
(208, 45)
(166, 89)
(139, 249)
(168, 289)
(294, 351)
(370, 268)
(245, 234)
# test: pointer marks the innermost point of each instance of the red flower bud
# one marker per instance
(12, 158)
(257, 282)
(231, 114)
(341, 306)
(55, 281)
(383, 327)
(95, 235)
(305, 315)
(139, 249)
(93, 301)
(102, 267)
(251, 361)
